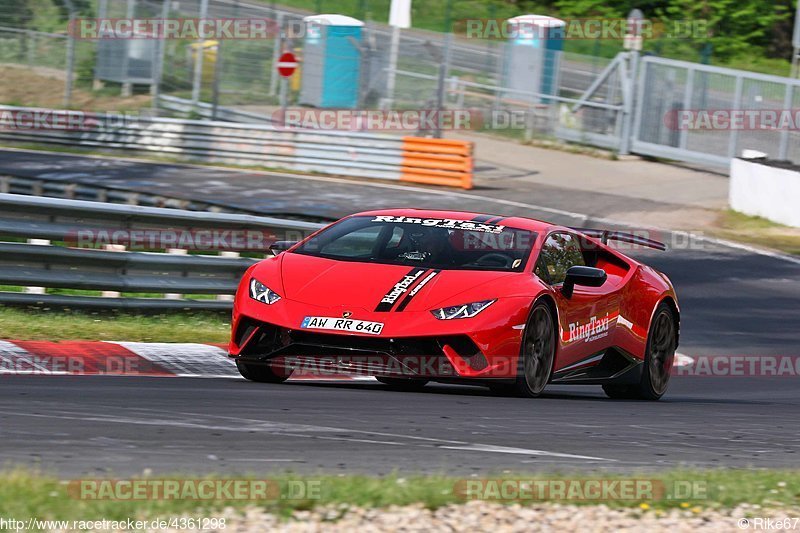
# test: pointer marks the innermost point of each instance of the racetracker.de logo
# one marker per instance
(253, 28)
(740, 366)
(211, 239)
(533, 28)
(63, 120)
(733, 119)
(579, 490)
(144, 489)
(399, 120)
(178, 28)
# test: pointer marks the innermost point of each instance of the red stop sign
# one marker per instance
(287, 64)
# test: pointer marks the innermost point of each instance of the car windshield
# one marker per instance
(445, 244)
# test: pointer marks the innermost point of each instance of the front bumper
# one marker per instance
(482, 347)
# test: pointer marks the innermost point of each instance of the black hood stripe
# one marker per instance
(413, 292)
(398, 289)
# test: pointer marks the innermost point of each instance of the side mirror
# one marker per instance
(280, 246)
(584, 276)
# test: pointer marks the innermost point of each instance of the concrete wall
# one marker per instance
(761, 190)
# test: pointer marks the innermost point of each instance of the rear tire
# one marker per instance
(263, 372)
(662, 341)
(405, 384)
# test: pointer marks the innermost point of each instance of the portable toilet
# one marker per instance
(331, 61)
(127, 60)
(533, 53)
(210, 49)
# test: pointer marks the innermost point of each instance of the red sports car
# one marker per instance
(411, 296)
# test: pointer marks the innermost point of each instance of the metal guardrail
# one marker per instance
(40, 264)
(326, 152)
(36, 186)
(207, 111)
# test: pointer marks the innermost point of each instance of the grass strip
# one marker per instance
(26, 493)
(51, 325)
(758, 231)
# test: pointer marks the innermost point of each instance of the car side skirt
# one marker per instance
(612, 365)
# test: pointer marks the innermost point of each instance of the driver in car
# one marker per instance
(430, 244)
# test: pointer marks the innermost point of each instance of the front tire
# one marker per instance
(263, 372)
(537, 354)
(662, 341)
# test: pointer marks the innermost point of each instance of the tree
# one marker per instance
(15, 13)
(82, 7)
(736, 27)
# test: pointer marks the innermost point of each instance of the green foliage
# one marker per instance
(82, 8)
(15, 13)
(42, 15)
(738, 30)
(592, 8)
(25, 493)
(38, 324)
(736, 27)
(85, 69)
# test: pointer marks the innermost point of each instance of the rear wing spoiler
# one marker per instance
(621, 236)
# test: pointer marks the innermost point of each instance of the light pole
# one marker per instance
(399, 17)
(70, 53)
(198, 60)
(632, 43)
(796, 42)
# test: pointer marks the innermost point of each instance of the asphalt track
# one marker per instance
(734, 302)
(271, 193)
(93, 425)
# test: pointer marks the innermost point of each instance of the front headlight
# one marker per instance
(262, 293)
(462, 311)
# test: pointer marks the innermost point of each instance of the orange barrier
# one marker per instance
(437, 162)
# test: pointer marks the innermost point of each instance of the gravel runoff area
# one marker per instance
(482, 516)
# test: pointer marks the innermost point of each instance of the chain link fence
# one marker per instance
(620, 103)
(426, 71)
(28, 56)
(680, 104)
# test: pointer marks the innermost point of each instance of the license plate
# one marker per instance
(342, 324)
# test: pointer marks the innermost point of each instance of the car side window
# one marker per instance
(559, 252)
